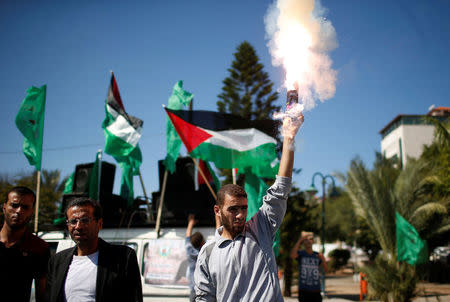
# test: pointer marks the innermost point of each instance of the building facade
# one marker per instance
(405, 136)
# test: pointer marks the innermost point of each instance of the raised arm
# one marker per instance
(289, 129)
(191, 224)
(296, 247)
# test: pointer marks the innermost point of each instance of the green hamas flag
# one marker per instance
(410, 247)
(177, 100)
(30, 121)
(68, 185)
(256, 189)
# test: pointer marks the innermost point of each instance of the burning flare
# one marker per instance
(299, 40)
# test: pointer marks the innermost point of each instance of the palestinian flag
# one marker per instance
(122, 134)
(122, 131)
(228, 140)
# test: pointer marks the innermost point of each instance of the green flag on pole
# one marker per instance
(130, 167)
(410, 247)
(256, 188)
(30, 121)
(179, 99)
(68, 185)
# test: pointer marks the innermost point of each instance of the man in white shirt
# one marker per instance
(93, 270)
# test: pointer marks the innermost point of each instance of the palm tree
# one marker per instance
(376, 196)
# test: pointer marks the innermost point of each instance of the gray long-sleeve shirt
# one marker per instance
(244, 269)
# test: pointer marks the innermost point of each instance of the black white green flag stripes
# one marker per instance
(122, 131)
(122, 134)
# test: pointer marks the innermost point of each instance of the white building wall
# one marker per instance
(412, 137)
(390, 143)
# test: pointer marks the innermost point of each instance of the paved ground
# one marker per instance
(343, 288)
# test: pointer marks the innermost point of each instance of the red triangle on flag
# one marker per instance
(190, 135)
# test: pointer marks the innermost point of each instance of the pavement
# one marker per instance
(341, 288)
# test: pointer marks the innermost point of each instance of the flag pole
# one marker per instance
(204, 178)
(142, 184)
(191, 106)
(38, 181)
(161, 201)
(36, 214)
(233, 173)
(99, 177)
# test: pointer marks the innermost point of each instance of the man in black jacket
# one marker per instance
(93, 270)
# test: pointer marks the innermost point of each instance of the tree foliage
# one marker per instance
(377, 194)
(247, 91)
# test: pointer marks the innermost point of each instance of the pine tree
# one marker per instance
(247, 91)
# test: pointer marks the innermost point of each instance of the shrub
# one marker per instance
(339, 258)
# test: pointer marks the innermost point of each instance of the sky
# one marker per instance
(391, 58)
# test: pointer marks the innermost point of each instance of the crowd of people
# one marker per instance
(238, 264)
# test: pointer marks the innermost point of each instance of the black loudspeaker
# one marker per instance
(178, 205)
(81, 179)
(113, 206)
(182, 179)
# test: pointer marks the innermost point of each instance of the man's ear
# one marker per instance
(100, 223)
(217, 210)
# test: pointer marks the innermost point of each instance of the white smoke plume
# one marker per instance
(299, 39)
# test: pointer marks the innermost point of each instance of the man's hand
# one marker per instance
(291, 124)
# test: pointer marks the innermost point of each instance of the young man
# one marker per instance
(23, 256)
(308, 266)
(93, 270)
(239, 264)
(193, 244)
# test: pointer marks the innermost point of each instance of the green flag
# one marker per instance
(410, 247)
(177, 100)
(256, 189)
(30, 121)
(68, 186)
(130, 167)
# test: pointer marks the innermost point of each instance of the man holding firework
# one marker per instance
(239, 264)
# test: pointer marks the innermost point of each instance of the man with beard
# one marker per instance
(23, 256)
(239, 264)
(93, 270)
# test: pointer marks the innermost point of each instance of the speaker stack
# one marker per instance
(113, 205)
(181, 198)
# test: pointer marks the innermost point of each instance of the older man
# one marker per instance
(93, 270)
(23, 256)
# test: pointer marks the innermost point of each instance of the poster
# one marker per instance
(165, 262)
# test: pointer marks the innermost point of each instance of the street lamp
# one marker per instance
(313, 191)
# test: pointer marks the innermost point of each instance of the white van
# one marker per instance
(162, 261)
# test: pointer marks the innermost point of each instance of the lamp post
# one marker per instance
(312, 191)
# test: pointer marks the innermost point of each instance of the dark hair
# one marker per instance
(197, 240)
(21, 191)
(83, 202)
(232, 190)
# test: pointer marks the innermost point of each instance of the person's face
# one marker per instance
(232, 214)
(18, 210)
(308, 242)
(82, 226)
